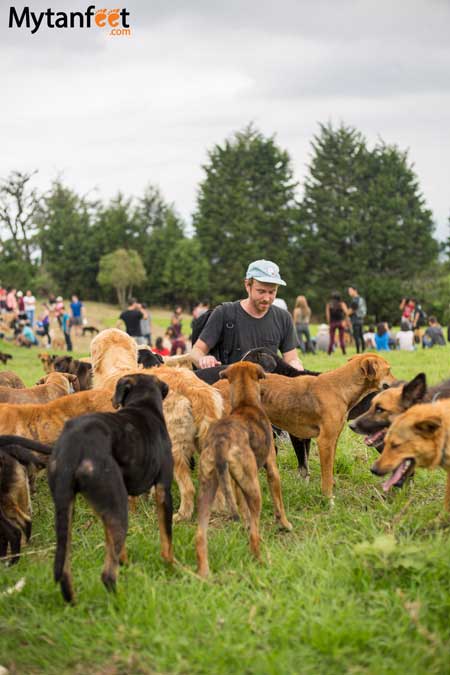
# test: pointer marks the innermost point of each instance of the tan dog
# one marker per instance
(58, 343)
(47, 361)
(237, 446)
(419, 437)
(47, 389)
(190, 407)
(10, 379)
(44, 421)
(317, 407)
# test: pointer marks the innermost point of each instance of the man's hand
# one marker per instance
(208, 362)
(297, 364)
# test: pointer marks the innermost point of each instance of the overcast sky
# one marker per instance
(117, 113)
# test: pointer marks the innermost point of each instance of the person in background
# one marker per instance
(21, 305)
(66, 325)
(405, 338)
(59, 310)
(336, 312)
(29, 302)
(43, 324)
(27, 338)
(77, 309)
(301, 317)
(132, 318)
(322, 339)
(279, 302)
(433, 334)
(160, 349)
(146, 326)
(408, 307)
(11, 301)
(358, 311)
(382, 337)
(369, 338)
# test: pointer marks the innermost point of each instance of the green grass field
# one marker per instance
(362, 588)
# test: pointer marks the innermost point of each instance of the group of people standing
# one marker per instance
(340, 317)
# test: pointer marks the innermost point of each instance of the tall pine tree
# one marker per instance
(246, 211)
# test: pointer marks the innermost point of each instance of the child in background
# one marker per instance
(369, 338)
(382, 338)
(405, 338)
(160, 349)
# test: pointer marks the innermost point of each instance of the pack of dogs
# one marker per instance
(126, 421)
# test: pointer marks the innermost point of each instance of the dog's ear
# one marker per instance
(369, 367)
(123, 388)
(429, 426)
(261, 372)
(74, 381)
(163, 387)
(414, 391)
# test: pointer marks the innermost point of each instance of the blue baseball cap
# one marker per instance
(265, 271)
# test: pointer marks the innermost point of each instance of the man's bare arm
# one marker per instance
(292, 359)
(200, 355)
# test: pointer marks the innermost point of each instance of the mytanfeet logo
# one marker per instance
(112, 21)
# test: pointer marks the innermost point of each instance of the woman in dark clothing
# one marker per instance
(337, 313)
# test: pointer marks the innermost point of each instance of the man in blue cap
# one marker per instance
(234, 328)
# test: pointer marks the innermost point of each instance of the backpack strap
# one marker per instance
(228, 340)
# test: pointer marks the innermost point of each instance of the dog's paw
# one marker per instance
(304, 474)
(182, 516)
(109, 582)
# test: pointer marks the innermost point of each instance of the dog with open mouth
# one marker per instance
(391, 402)
(420, 437)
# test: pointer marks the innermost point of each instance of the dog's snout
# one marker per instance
(374, 469)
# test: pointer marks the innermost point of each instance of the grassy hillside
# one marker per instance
(360, 589)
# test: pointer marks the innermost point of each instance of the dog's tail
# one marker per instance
(25, 443)
(24, 449)
(224, 478)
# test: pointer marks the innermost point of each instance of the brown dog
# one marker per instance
(50, 387)
(189, 409)
(10, 379)
(83, 370)
(388, 404)
(419, 437)
(44, 421)
(237, 446)
(5, 357)
(15, 506)
(47, 361)
(317, 407)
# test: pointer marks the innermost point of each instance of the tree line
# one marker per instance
(358, 218)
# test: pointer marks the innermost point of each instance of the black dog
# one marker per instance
(106, 457)
(148, 358)
(15, 509)
(4, 357)
(90, 329)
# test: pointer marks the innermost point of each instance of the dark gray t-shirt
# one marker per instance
(275, 330)
(436, 335)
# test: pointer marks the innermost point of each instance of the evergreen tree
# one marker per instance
(186, 273)
(365, 221)
(68, 250)
(246, 211)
